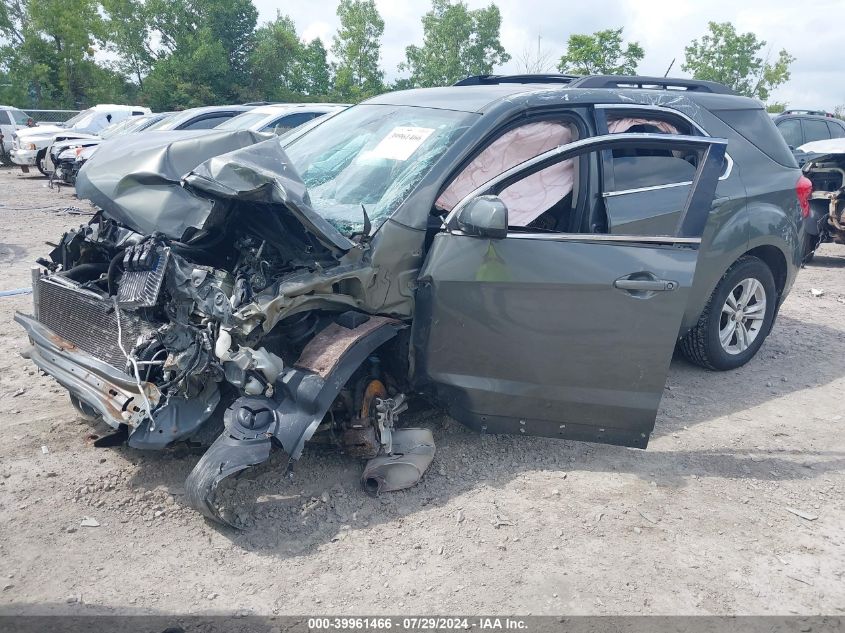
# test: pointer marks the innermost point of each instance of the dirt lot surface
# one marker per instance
(700, 523)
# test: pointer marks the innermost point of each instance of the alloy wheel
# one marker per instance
(743, 316)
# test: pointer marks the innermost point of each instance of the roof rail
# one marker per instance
(601, 81)
(489, 80)
(658, 83)
(813, 112)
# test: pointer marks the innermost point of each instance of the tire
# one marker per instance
(808, 247)
(702, 344)
(39, 163)
(85, 410)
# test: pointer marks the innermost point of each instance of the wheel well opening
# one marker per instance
(775, 260)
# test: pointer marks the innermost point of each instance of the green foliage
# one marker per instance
(284, 68)
(357, 47)
(457, 42)
(127, 24)
(775, 107)
(274, 60)
(600, 54)
(48, 54)
(733, 59)
(314, 76)
(203, 51)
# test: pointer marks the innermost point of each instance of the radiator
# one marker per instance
(88, 322)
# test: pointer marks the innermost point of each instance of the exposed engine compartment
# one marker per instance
(237, 335)
(178, 302)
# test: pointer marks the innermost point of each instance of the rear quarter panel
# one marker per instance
(756, 206)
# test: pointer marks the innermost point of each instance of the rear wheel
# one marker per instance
(809, 246)
(736, 319)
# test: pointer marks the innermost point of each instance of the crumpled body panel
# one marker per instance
(138, 182)
(263, 173)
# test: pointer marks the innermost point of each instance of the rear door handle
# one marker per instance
(645, 284)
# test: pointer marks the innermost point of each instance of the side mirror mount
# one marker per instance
(484, 216)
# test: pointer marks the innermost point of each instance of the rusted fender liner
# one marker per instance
(413, 452)
(112, 393)
(304, 394)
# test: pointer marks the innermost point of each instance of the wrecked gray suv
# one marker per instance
(525, 256)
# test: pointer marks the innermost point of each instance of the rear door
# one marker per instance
(563, 335)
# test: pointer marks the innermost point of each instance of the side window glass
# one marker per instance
(836, 130)
(282, 125)
(206, 123)
(19, 117)
(790, 129)
(4, 118)
(525, 199)
(815, 130)
(645, 188)
(640, 168)
(548, 200)
(648, 170)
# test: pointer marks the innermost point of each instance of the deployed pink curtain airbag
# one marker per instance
(530, 197)
(618, 126)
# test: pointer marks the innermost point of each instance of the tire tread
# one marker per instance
(694, 344)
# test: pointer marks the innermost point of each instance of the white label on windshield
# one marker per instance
(400, 143)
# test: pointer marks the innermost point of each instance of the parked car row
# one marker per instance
(61, 150)
(526, 251)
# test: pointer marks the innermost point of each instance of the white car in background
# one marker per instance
(11, 119)
(29, 146)
(278, 118)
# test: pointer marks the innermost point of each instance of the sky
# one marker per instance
(810, 31)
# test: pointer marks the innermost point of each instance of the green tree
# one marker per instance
(47, 51)
(274, 60)
(357, 48)
(284, 68)
(457, 42)
(201, 53)
(315, 68)
(127, 24)
(734, 59)
(600, 53)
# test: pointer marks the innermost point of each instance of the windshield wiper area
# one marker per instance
(364, 233)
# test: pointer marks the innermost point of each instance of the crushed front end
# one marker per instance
(246, 335)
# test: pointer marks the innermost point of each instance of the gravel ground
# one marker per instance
(699, 523)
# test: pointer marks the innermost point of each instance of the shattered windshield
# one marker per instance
(116, 129)
(74, 120)
(371, 155)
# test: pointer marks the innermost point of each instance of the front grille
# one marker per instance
(88, 322)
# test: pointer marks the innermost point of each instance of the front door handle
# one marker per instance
(639, 282)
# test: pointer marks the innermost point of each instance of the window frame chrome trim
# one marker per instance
(668, 240)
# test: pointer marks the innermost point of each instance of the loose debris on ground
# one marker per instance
(715, 517)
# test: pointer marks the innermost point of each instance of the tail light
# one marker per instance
(803, 189)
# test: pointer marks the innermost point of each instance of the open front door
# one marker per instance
(559, 334)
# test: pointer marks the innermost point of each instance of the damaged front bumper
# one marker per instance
(24, 157)
(111, 393)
